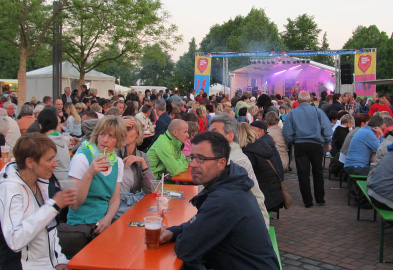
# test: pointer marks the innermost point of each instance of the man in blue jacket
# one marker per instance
(310, 130)
(229, 231)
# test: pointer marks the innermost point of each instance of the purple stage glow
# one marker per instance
(294, 67)
(314, 66)
(279, 72)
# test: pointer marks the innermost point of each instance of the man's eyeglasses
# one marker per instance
(200, 159)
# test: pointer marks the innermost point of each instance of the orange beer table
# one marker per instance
(184, 176)
(122, 247)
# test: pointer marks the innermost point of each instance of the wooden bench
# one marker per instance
(386, 217)
(352, 179)
(272, 234)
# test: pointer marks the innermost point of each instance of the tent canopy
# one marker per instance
(39, 81)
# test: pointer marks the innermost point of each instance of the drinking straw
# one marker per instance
(162, 185)
(105, 150)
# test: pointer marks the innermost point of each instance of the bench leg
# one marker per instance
(381, 241)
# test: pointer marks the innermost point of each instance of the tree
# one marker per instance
(301, 33)
(25, 25)
(183, 75)
(371, 37)
(98, 31)
(324, 59)
(156, 66)
(252, 33)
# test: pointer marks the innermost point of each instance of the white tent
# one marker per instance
(39, 81)
(121, 88)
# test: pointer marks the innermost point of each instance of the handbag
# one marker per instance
(73, 238)
(284, 190)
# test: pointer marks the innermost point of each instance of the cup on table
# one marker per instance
(67, 184)
(162, 204)
(5, 150)
(152, 231)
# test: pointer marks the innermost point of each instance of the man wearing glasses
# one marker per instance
(228, 232)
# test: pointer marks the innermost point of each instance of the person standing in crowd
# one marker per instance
(310, 131)
(382, 105)
(277, 135)
(265, 102)
(175, 97)
(261, 157)
(202, 120)
(59, 106)
(350, 106)
(47, 100)
(337, 104)
(13, 132)
(73, 125)
(27, 216)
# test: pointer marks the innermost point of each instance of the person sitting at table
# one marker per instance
(228, 231)
(137, 174)
(98, 177)
(192, 131)
(227, 126)
(163, 119)
(28, 239)
(363, 147)
(49, 122)
(144, 116)
(380, 183)
(165, 154)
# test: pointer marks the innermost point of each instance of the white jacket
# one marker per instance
(25, 223)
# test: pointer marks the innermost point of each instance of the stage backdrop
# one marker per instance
(202, 73)
(365, 70)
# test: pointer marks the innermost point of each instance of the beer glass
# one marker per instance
(152, 231)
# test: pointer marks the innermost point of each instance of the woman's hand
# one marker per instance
(65, 198)
(102, 225)
(61, 267)
(131, 159)
(100, 164)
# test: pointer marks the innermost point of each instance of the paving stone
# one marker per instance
(309, 261)
(291, 256)
(330, 267)
(311, 267)
(292, 262)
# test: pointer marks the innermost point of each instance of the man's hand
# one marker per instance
(328, 148)
(166, 236)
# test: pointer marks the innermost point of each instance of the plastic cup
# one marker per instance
(162, 204)
(5, 150)
(152, 231)
(106, 159)
(67, 184)
(155, 187)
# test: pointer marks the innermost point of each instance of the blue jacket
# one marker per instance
(229, 231)
(307, 124)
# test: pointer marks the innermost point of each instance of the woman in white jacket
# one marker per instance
(28, 238)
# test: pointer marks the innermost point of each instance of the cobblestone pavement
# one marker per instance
(329, 236)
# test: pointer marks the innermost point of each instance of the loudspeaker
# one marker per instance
(346, 73)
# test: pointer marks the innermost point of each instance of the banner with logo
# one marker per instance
(365, 70)
(202, 73)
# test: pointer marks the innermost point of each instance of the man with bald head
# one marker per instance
(309, 129)
(165, 154)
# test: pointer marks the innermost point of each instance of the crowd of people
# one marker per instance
(240, 146)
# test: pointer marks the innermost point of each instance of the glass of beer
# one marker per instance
(5, 150)
(152, 231)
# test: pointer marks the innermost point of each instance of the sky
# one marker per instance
(338, 18)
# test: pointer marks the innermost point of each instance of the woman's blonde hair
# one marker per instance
(111, 123)
(138, 128)
(253, 110)
(247, 134)
(70, 110)
(219, 108)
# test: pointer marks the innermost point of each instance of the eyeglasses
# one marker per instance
(200, 159)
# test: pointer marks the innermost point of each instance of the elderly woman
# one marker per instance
(98, 176)
(137, 175)
(265, 166)
(49, 122)
(80, 108)
(27, 118)
(27, 213)
(275, 132)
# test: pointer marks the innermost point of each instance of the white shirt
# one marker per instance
(13, 132)
(79, 165)
(144, 120)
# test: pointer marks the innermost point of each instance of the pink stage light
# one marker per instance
(294, 67)
(280, 72)
(314, 67)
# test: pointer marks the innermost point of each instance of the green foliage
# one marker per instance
(324, 59)
(98, 31)
(301, 33)
(183, 75)
(371, 37)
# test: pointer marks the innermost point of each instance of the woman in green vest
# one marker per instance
(98, 177)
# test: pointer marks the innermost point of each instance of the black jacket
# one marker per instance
(338, 139)
(229, 231)
(258, 153)
(336, 106)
